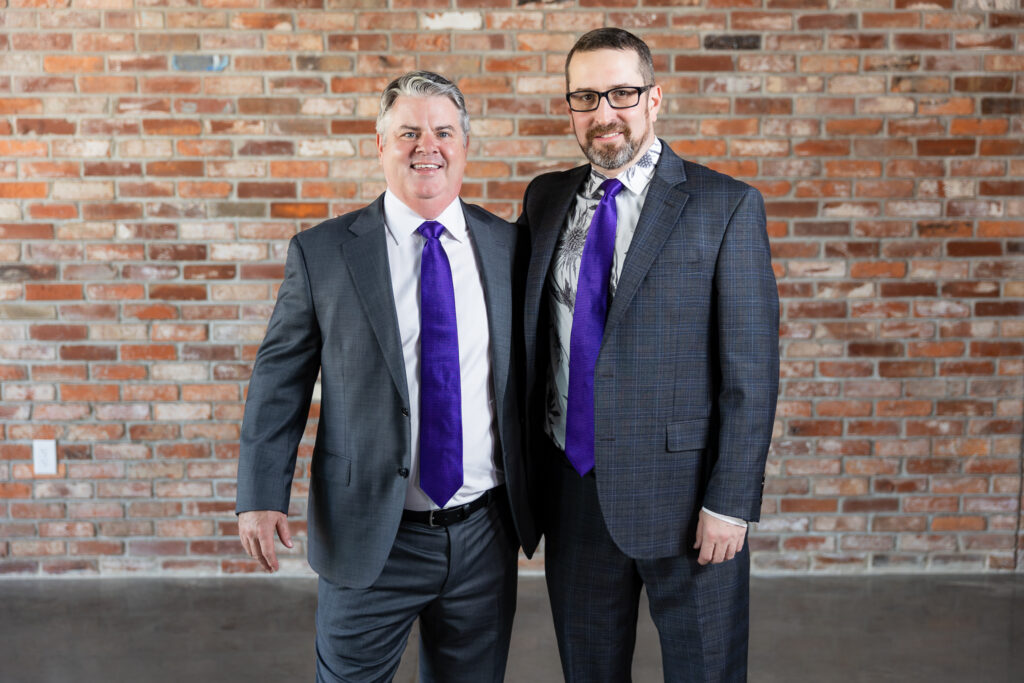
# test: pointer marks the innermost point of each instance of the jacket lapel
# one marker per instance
(494, 255)
(367, 258)
(544, 235)
(659, 217)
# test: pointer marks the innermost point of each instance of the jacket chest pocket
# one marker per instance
(688, 435)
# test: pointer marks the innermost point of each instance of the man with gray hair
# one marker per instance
(417, 491)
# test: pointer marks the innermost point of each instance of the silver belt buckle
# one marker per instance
(430, 518)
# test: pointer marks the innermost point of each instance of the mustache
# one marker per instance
(607, 128)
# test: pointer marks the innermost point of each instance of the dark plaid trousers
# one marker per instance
(701, 613)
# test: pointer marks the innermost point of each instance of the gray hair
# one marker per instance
(421, 84)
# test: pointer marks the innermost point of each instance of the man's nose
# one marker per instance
(427, 143)
(604, 112)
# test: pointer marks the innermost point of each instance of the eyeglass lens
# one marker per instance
(620, 98)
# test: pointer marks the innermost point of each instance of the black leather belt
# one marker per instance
(452, 515)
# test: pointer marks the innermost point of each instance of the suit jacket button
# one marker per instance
(403, 472)
(405, 412)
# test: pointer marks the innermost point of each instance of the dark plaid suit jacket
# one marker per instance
(687, 378)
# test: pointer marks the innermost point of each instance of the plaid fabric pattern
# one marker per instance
(687, 378)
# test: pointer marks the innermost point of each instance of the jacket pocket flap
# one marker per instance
(334, 467)
(688, 435)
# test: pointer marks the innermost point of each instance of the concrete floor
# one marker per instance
(877, 628)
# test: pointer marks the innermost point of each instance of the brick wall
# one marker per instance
(156, 155)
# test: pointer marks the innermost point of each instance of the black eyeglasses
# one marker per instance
(618, 98)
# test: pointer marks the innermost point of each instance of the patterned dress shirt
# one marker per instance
(565, 270)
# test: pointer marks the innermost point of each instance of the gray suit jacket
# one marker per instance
(687, 377)
(335, 314)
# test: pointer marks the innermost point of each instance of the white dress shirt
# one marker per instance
(565, 272)
(481, 469)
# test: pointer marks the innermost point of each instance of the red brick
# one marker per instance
(34, 292)
(148, 352)
(174, 168)
(906, 369)
(88, 352)
(953, 147)
(967, 368)
(89, 392)
(873, 428)
(999, 308)
(15, 490)
(120, 372)
(997, 348)
(820, 505)
(825, 309)
(298, 169)
(704, 63)
(178, 292)
(936, 349)
(116, 292)
(1003, 147)
(277, 190)
(933, 428)
(896, 524)
(855, 349)
(298, 210)
(171, 127)
(204, 190)
(904, 408)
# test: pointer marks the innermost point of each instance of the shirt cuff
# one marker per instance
(735, 521)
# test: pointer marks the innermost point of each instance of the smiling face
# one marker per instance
(612, 139)
(423, 153)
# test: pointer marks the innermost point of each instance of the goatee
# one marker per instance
(612, 157)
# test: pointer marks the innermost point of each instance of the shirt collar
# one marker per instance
(635, 178)
(401, 221)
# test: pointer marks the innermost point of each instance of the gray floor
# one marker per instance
(879, 628)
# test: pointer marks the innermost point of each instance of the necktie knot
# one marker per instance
(430, 229)
(611, 187)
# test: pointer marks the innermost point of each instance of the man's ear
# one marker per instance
(654, 102)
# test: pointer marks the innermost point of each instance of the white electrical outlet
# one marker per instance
(44, 456)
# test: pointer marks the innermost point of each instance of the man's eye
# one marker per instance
(444, 134)
(621, 93)
(585, 97)
(408, 134)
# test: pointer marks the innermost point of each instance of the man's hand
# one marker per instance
(256, 529)
(717, 541)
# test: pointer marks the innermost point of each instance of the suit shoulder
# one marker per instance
(556, 179)
(551, 187)
(493, 223)
(702, 175)
(332, 229)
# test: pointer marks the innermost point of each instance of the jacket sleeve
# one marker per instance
(747, 312)
(280, 391)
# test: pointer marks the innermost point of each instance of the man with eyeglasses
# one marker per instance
(651, 348)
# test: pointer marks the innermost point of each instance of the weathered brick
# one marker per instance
(147, 200)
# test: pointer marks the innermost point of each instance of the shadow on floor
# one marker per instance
(251, 630)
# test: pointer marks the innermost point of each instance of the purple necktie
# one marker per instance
(440, 381)
(588, 318)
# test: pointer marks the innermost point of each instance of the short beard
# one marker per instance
(610, 158)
